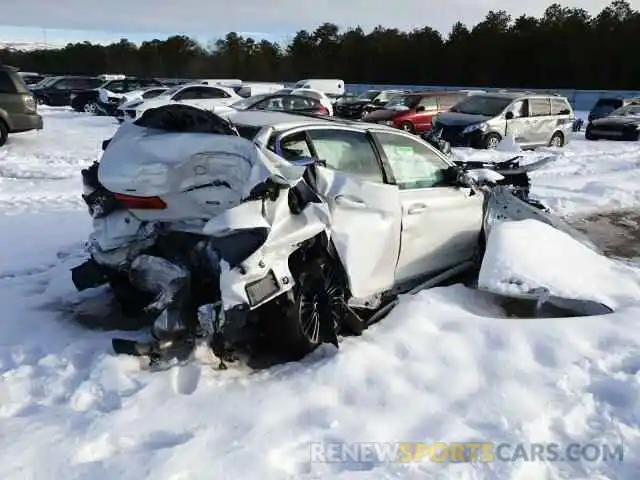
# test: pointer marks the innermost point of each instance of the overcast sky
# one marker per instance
(270, 18)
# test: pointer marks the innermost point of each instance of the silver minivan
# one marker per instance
(483, 120)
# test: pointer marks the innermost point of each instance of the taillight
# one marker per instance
(30, 103)
(140, 203)
(323, 111)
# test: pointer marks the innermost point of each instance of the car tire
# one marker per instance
(408, 127)
(316, 302)
(589, 136)
(491, 141)
(4, 133)
(90, 107)
(77, 106)
(557, 140)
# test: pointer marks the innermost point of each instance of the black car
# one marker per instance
(621, 124)
(57, 91)
(31, 79)
(353, 108)
(89, 100)
(604, 106)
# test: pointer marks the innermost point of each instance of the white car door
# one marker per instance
(366, 214)
(440, 223)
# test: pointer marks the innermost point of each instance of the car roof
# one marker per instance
(207, 85)
(257, 118)
(285, 120)
(514, 95)
(433, 93)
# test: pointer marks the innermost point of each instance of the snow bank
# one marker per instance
(40, 170)
(508, 144)
(528, 254)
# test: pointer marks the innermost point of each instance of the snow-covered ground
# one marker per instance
(446, 366)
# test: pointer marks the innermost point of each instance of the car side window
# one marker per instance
(212, 92)
(539, 107)
(414, 165)
(152, 93)
(6, 83)
(62, 85)
(429, 103)
(295, 146)
(116, 87)
(348, 152)
(187, 94)
(559, 106)
(270, 103)
(445, 102)
(520, 109)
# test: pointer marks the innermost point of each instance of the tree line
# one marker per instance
(565, 48)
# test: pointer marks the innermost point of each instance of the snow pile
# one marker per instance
(41, 169)
(445, 366)
(508, 144)
(528, 254)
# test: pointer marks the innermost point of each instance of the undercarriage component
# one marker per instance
(90, 274)
(170, 282)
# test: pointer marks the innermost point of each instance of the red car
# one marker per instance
(413, 112)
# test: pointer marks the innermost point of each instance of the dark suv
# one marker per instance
(88, 100)
(604, 106)
(57, 91)
(18, 110)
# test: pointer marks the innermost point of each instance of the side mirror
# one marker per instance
(509, 115)
(481, 176)
(420, 108)
(304, 161)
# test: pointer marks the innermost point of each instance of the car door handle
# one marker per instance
(351, 202)
(417, 208)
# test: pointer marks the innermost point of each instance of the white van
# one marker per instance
(249, 89)
(330, 87)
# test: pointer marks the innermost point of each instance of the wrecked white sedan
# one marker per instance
(294, 227)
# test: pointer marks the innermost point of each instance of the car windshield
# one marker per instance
(482, 105)
(628, 111)
(46, 81)
(605, 107)
(171, 91)
(248, 102)
(403, 101)
(369, 95)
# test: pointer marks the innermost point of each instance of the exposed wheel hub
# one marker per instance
(321, 306)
